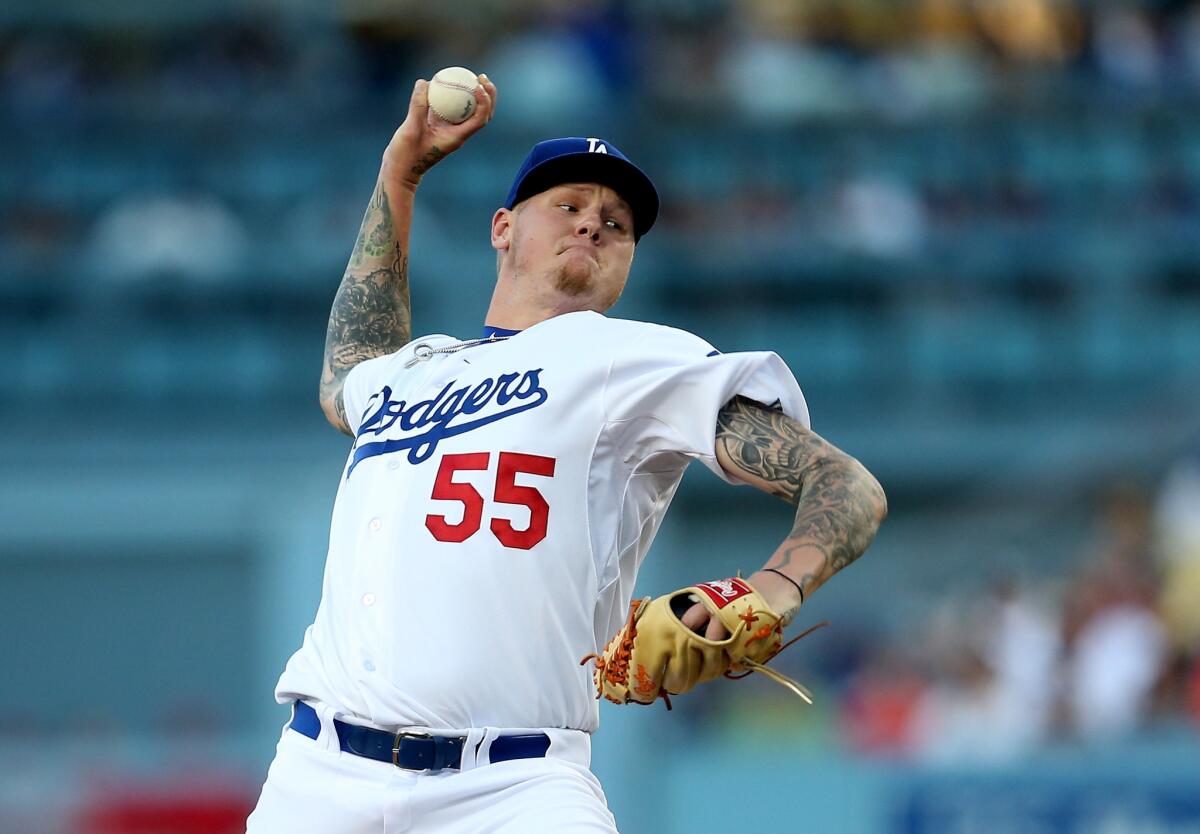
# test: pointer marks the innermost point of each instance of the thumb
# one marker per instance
(418, 106)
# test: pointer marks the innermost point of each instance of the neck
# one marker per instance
(512, 310)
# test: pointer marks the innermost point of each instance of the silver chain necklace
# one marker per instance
(423, 351)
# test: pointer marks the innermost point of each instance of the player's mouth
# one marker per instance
(586, 248)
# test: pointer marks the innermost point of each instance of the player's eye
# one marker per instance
(615, 224)
(567, 207)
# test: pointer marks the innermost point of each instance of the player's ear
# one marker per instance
(502, 229)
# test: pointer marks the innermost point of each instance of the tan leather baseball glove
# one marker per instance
(655, 655)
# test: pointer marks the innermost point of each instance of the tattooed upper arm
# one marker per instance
(767, 449)
(371, 315)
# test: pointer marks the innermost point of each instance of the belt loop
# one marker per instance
(475, 748)
(328, 740)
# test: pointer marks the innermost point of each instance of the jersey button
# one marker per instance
(368, 600)
(393, 464)
(375, 525)
(369, 666)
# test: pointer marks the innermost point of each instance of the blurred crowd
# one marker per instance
(1109, 650)
(751, 64)
(761, 59)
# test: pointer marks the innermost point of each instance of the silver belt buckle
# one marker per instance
(396, 751)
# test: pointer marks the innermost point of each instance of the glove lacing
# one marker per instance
(616, 670)
(774, 674)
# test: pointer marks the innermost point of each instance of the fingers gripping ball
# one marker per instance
(655, 655)
(452, 94)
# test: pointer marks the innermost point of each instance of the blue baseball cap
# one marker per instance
(576, 159)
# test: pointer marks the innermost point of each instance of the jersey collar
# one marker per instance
(492, 332)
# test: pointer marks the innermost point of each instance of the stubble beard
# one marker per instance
(574, 279)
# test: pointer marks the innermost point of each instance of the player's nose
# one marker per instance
(588, 225)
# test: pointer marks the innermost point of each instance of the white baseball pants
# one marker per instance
(313, 787)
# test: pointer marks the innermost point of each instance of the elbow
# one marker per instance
(881, 506)
(327, 408)
(871, 495)
(334, 410)
(325, 399)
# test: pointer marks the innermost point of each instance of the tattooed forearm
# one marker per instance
(839, 505)
(370, 315)
(840, 508)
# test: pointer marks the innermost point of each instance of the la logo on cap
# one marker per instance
(586, 159)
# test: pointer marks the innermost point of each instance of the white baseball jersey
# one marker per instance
(493, 513)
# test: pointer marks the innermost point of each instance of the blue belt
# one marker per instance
(414, 751)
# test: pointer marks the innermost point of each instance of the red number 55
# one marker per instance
(445, 488)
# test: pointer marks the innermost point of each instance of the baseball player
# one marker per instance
(498, 498)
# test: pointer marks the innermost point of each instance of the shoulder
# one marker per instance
(643, 336)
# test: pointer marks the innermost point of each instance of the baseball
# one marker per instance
(452, 94)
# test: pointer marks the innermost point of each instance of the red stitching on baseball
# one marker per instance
(454, 85)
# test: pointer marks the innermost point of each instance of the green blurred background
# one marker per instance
(971, 227)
